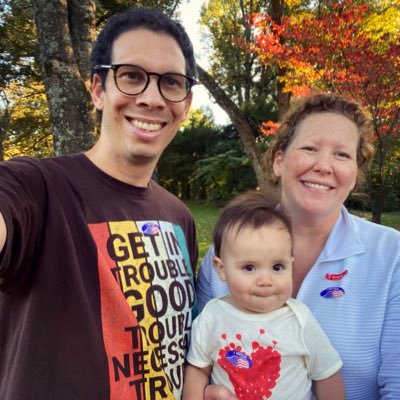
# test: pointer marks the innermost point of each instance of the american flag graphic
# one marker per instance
(238, 359)
(150, 228)
(332, 292)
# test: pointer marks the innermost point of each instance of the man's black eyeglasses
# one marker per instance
(133, 80)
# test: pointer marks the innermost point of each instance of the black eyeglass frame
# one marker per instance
(191, 81)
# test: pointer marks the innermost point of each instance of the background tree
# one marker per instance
(236, 79)
(45, 47)
(107, 8)
(27, 129)
(25, 121)
(65, 32)
(203, 161)
(345, 48)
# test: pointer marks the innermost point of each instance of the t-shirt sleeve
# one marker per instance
(192, 244)
(199, 353)
(22, 203)
(323, 360)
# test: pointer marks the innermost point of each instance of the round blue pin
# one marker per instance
(332, 292)
(151, 228)
(238, 359)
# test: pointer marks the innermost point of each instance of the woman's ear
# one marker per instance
(277, 164)
(219, 267)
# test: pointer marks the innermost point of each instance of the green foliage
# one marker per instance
(27, 128)
(225, 175)
(107, 8)
(261, 108)
(178, 162)
(205, 162)
(18, 43)
(224, 26)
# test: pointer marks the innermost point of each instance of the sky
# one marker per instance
(190, 12)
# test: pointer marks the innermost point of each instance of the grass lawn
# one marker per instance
(206, 215)
(389, 219)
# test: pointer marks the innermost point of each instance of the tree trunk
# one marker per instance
(81, 13)
(244, 129)
(376, 197)
(238, 119)
(282, 97)
(65, 31)
(376, 212)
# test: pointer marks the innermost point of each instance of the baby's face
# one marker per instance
(257, 266)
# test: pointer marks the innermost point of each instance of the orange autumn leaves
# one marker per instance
(334, 51)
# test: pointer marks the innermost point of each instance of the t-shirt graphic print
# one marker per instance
(147, 292)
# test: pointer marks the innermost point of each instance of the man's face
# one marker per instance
(136, 129)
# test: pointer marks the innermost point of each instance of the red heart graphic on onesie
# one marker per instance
(253, 376)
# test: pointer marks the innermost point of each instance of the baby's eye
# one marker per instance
(249, 267)
(278, 267)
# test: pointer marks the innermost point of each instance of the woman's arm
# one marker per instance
(389, 371)
(331, 388)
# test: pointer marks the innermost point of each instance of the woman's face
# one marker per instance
(319, 167)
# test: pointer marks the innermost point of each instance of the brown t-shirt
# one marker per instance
(96, 284)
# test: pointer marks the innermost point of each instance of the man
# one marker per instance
(96, 281)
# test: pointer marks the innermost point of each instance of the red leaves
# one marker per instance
(268, 128)
(332, 51)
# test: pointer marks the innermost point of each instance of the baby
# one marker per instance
(258, 341)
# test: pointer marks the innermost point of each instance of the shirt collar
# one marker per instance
(343, 241)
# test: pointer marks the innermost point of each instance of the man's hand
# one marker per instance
(218, 392)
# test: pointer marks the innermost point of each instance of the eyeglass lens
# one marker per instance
(133, 80)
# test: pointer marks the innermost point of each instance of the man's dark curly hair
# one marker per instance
(139, 18)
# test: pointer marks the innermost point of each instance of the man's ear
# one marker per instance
(97, 92)
(219, 267)
(188, 103)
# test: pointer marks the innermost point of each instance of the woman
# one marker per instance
(346, 269)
